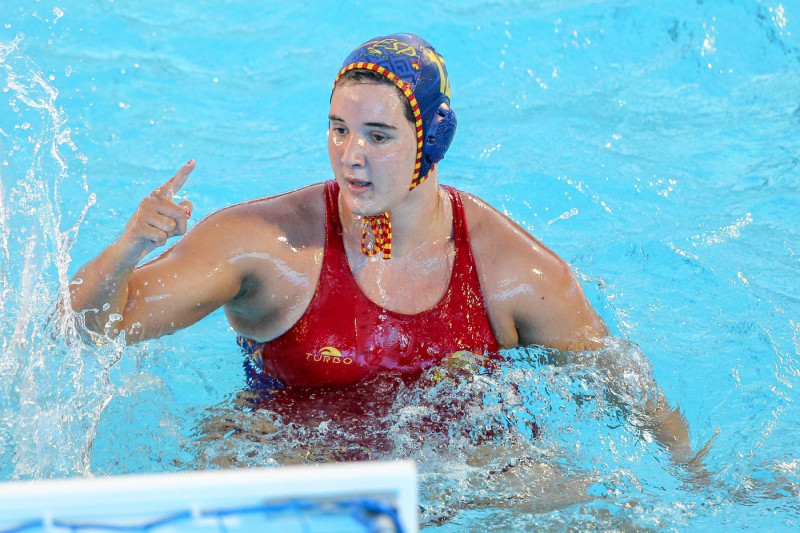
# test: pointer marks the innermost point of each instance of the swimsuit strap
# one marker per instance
(334, 235)
(464, 262)
(332, 206)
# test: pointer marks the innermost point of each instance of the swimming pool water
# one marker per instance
(654, 146)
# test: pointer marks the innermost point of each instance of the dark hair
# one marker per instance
(360, 75)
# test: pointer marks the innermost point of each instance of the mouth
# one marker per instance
(357, 185)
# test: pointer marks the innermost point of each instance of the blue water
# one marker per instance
(653, 145)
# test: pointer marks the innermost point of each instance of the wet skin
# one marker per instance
(261, 259)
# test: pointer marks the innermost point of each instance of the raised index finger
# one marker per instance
(175, 183)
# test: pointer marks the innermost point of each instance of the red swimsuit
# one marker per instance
(344, 337)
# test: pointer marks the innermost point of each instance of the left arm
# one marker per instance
(627, 376)
(570, 324)
(531, 294)
(534, 298)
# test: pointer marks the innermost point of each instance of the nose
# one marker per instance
(353, 153)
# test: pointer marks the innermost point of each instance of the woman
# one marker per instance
(381, 269)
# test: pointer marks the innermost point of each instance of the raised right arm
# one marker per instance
(169, 293)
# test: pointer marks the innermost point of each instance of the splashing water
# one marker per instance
(510, 440)
(53, 386)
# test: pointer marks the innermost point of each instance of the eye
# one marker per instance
(379, 138)
(338, 129)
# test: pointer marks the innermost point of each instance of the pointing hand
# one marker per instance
(158, 217)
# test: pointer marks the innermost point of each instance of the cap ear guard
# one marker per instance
(439, 134)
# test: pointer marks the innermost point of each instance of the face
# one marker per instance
(372, 147)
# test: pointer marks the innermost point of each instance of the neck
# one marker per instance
(425, 217)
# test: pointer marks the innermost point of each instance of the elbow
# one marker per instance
(75, 300)
(93, 322)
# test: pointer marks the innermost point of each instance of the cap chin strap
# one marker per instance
(381, 228)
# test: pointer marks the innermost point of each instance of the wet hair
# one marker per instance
(368, 76)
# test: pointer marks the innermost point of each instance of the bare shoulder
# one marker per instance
(532, 295)
(235, 257)
(289, 210)
(245, 244)
(290, 219)
(499, 242)
(258, 258)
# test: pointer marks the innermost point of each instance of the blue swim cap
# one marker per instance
(418, 70)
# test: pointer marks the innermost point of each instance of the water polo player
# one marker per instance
(381, 269)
